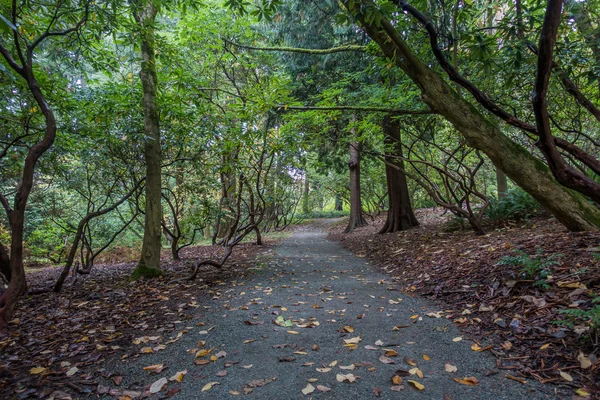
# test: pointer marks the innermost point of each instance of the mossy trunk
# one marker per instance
(356, 216)
(149, 264)
(527, 171)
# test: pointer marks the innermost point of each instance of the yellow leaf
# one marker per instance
(417, 385)
(209, 386)
(293, 332)
(178, 376)
(391, 353)
(397, 380)
(582, 392)
(353, 340)
(545, 346)
(426, 357)
(147, 350)
(469, 380)
(475, 347)
(457, 339)
(37, 370)
(566, 376)
(203, 352)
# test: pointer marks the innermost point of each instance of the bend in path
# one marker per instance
(315, 281)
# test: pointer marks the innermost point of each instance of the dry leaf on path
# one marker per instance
(158, 385)
(469, 380)
(308, 389)
(450, 368)
(417, 385)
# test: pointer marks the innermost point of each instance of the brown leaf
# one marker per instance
(323, 389)
(410, 361)
(469, 380)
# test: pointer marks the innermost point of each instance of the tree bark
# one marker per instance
(305, 205)
(4, 263)
(400, 216)
(338, 202)
(531, 174)
(501, 183)
(356, 215)
(149, 264)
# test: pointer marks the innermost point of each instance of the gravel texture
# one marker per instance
(310, 279)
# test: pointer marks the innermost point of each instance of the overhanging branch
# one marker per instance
(338, 49)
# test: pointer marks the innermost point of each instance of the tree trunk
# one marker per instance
(356, 215)
(175, 247)
(400, 215)
(16, 215)
(149, 264)
(305, 205)
(4, 263)
(338, 202)
(531, 174)
(501, 183)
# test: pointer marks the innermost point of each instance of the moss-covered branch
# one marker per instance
(339, 49)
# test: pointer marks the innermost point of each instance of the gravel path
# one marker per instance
(315, 282)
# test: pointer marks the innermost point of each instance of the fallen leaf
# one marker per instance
(158, 385)
(469, 380)
(457, 339)
(416, 371)
(391, 353)
(178, 376)
(426, 357)
(417, 385)
(72, 371)
(209, 386)
(386, 360)
(566, 376)
(584, 361)
(156, 368)
(348, 367)
(543, 347)
(323, 370)
(346, 378)
(37, 370)
(293, 332)
(450, 368)
(308, 389)
(582, 392)
(410, 361)
(323, 389)
(353, 340)
(221, 373)
(397, 380)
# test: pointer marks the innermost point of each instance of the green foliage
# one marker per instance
(589, 317)
(324, 214)
(537, 267)
(516, 205)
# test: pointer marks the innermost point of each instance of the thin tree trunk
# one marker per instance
(338, 202)
(4, 262)
(501, 183)
(305, 205)
(400, 213)
(149, 264)
(356, 216)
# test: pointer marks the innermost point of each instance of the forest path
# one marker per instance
(309, 279)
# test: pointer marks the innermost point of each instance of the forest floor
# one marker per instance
(304, 318)
(506, 315)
